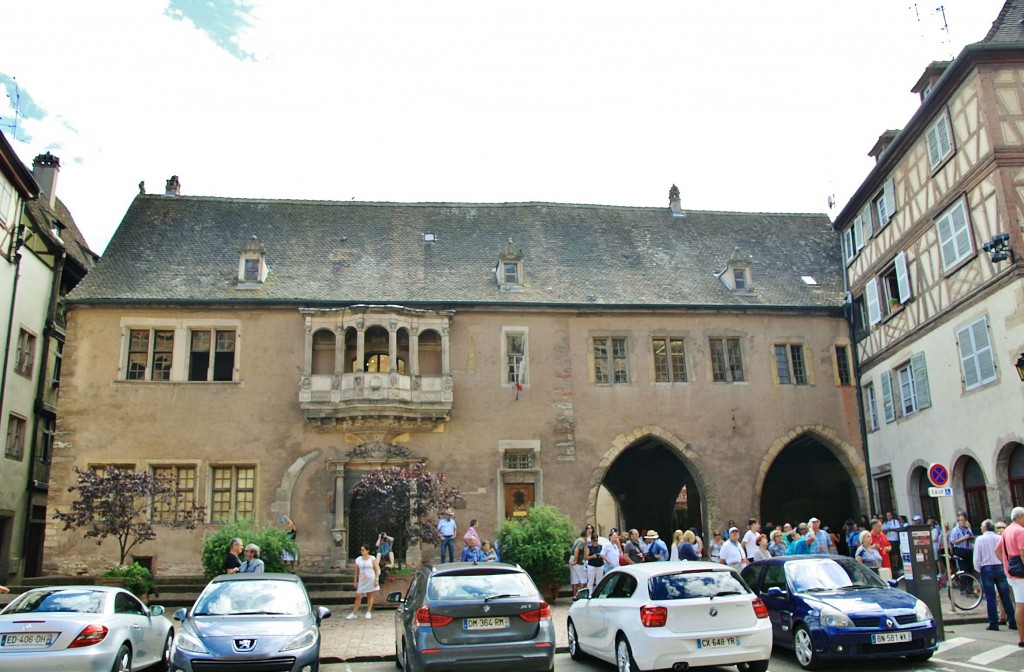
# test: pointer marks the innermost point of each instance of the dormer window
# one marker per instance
(736, 275)
(509, 270)
(252, 265)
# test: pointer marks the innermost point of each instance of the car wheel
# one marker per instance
(624, 656)
(123, 660)
(575, 652)
(803, 646)
(405, 657)
(398, 659)
(753, 666)
(165, 657)
(920, 657)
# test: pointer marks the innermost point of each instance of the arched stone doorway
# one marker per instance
(807, 479)
(970, 477)
(645, 473)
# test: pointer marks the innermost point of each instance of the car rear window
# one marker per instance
(692, 585)
(59, 601)
(253, 597)
(475, 585)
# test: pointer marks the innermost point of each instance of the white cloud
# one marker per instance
(746, 106)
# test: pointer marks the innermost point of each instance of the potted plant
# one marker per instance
(134, 577)
(894, 305)
(537, 542)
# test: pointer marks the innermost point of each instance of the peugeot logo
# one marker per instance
(889, 624)
(487, 608)
(713, 612)
(243, 645)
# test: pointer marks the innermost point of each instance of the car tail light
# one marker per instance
(653, 617)
(424, 617)
(92, 634)
(542, 613)
(760, 610)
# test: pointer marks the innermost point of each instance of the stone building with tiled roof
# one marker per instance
(643, 367)
(932, 244)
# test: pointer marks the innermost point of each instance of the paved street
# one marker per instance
(968, 647)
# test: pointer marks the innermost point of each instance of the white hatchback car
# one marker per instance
(662, 615)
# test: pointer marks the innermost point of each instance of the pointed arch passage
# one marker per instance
(807, 480)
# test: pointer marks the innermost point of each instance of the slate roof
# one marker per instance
(185, 250)
(1007, 27)
(71, 238)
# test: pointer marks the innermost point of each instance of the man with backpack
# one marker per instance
(657, 551)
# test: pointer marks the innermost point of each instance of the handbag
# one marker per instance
(1015, 564)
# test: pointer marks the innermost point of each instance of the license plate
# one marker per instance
(491, 623)
(31, 639)
(890, 638)
(717, 642)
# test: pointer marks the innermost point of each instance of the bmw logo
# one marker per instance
(487, 608)
(713, 612)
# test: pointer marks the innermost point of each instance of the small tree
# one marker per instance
(271, 540)
(406, 496)
(118, 504)
(538, 543)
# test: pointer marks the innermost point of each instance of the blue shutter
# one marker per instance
(902, 278)
(871, 298)
(890, 410)
(920, 371)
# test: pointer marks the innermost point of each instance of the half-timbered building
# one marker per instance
(932, 244)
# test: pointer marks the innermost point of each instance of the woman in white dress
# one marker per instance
(673, 548)
(367, 581)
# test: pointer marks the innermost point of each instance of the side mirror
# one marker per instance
(893, 582)
(775, 591)
(156, 610)
(395, 597)
(322, 613)
(582, 595)
(180, 614)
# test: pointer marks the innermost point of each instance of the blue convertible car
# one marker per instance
(829, 607)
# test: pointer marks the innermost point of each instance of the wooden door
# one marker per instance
(518, 498)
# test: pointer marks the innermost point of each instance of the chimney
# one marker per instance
(44, 169)
(882, 144)
(173, 187)
(674, 202)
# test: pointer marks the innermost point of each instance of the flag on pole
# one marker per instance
(519, 375)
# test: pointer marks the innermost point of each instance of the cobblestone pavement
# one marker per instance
(362, 639)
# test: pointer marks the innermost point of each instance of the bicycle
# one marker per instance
(964, 590)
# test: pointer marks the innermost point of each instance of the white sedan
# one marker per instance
(87, 628)
(662, 615)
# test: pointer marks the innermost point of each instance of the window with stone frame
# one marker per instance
(25, 357)
(669, 360)
(150, 354)
(611, 365)
(515, 356)
(102, 469)
(15, 446)
(183, 480)
(232, 493)
(49, 431)
(790, 365)
(726, 360)
(211, 355)
(518, 459)
(844, 369)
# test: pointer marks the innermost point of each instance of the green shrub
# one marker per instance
(271, 540)
(137, 579)
(537, 543)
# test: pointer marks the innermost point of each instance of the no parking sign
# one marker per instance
(938, 475)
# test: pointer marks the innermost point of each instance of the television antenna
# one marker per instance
(16, 106)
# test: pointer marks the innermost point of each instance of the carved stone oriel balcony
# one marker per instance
(394, 397)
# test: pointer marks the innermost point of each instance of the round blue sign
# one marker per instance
(938, 475)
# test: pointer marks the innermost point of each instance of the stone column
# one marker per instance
(307, 353)
(339, 533)
(414, 351)
(393, 346)
(360, 347)
(339, 350)
(446, 366)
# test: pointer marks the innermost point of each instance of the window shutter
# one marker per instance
(920, 371)
(983, 351)
(889, 196)
(871, 297)
(890, 410)
(866, 218)
(931, 139)
(858, 234)
(947, 246)
(942, 134)
(961, 232)
(965, 341)
(902, 278)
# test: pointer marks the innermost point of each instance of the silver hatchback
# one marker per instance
(473, 616)
(250, 622)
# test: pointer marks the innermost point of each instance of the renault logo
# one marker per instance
(713, 612)
(243, 645)
(889, 623)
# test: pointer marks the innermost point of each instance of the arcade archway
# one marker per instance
(806, 480)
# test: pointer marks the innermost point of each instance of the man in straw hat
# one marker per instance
(446, 526)
(657, 551)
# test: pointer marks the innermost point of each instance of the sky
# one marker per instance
(746, 106)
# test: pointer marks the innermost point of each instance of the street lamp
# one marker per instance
(999, 248)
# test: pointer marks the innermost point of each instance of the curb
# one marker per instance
(335, 660)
